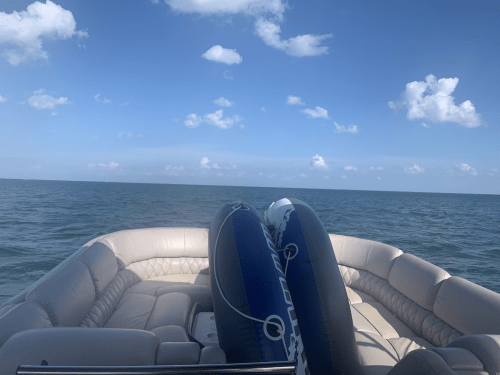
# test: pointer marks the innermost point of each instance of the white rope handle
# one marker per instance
(237, 206)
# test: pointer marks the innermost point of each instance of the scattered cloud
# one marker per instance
(216, 119)
(43, 101)
(2, 99)
(21, 33)
(54, 113)
(317, 112)
(353, 129)
(432, 100)
(110, 166)
(106, 101)
(223, 102)
(128, 135)
(173, 171)
(415, 169)
(124, 104)
(494, 169)
(467, 168)
(263, 109)
(223, 55)
(96, 97)
(204, 163)
(303, 175)
(350, 168)
(192, 120)
(343, 176)
(425, 125)
(379, 178)
(268, 14)
(248, 7)
(318, 162)
(299, 46)
(378, 168)
(294, 100)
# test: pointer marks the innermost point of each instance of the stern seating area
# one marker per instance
(401, 303)
(126, 297)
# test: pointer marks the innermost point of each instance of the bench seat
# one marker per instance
(401, 303)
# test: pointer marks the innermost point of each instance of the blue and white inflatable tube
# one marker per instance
(254, 313)
(316, 286)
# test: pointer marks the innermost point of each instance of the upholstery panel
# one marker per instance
(170, 309)
(409, 271)
(66, 296)
(468, 307)
(376, 355)
(405, 345)
(26, 315)
(437, 331)
(105, 305)
(383, 320)
(356, 296)
(132, 312)
(102, 265)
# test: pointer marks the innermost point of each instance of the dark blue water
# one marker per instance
(43, 222)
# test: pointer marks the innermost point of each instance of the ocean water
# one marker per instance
(43, 222)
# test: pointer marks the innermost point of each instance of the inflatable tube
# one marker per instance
(250, 293)
(316, 286)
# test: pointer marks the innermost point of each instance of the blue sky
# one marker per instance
(391, 95)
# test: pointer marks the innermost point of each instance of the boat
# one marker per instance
(143, 301)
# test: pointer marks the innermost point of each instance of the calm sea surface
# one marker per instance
(43, 222)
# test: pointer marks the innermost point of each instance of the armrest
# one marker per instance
(485, 347)
(74, 346)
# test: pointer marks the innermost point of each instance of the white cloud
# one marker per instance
(204, 163)
(110, 166)
(210, 7)
(263, 109)
(425, 125)
(128, 134)
(378, 168)
(353, 129)
(44, 101)
(317, 112)
(223, 55)
(173, 171)
(215, 166)
(216, 119)
(318, 162)
(96, 97)
(192, 120)
(415, 169)
(350, 168)
(294, 100)
(303, 175)
(299, 46)
(22, 32)
(106, 101)
(432, 100)
(124, 104)
(2, 99)
(343, 176)
(379, 178)
(223, 102)
(53, 113)
(467, 168)
(494, 169)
